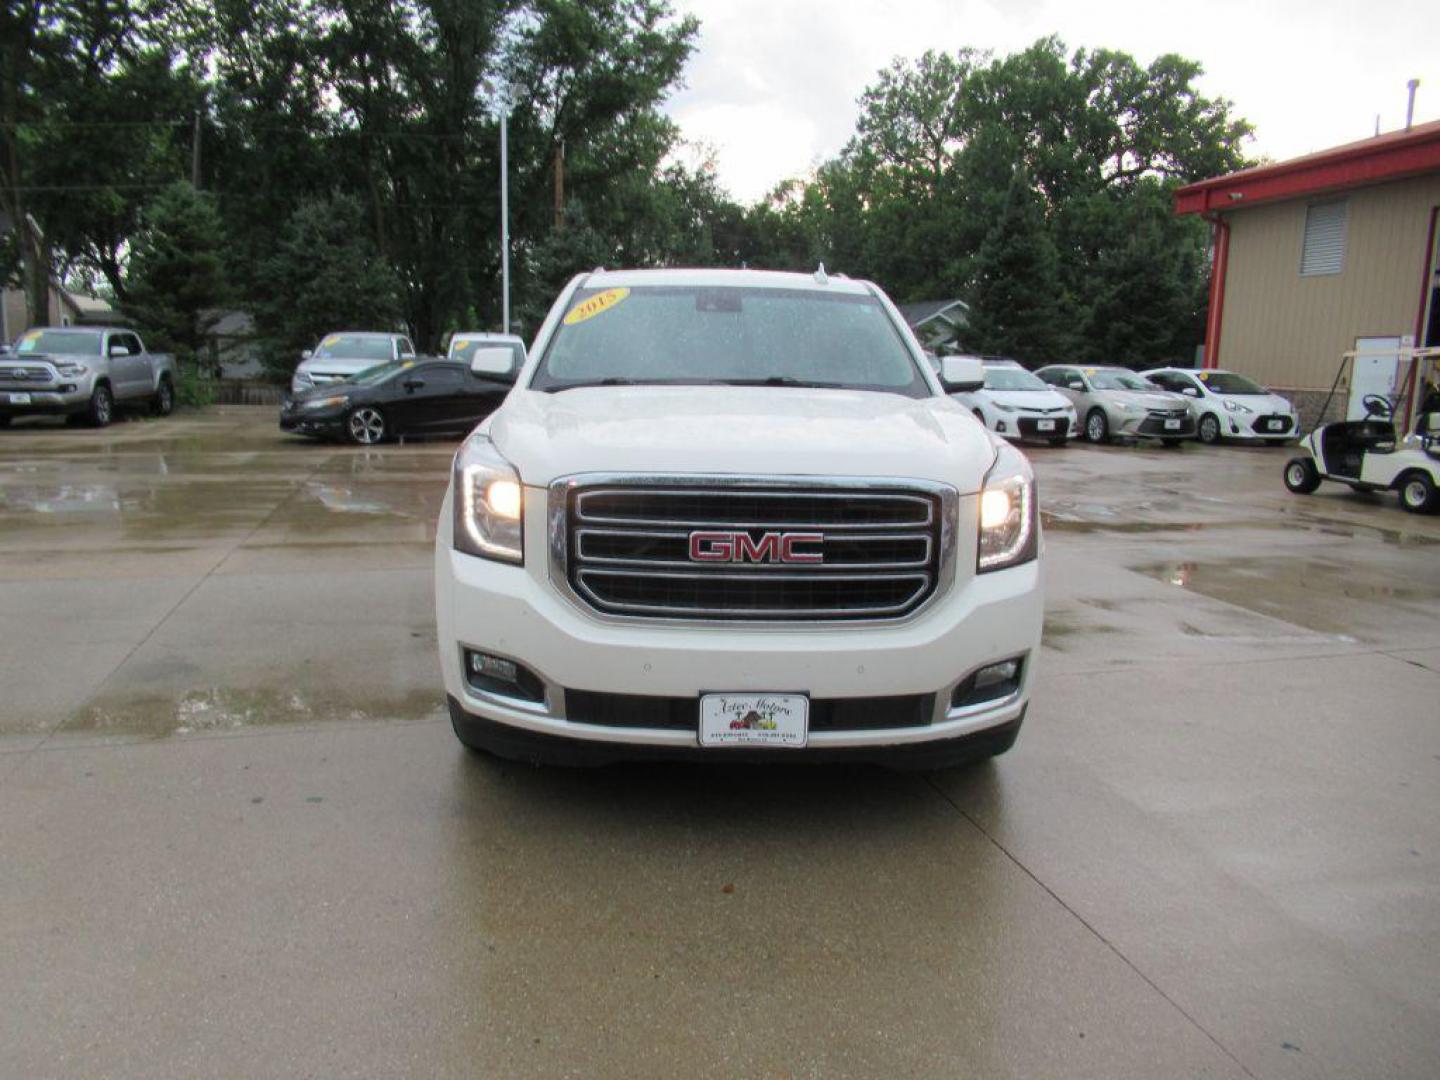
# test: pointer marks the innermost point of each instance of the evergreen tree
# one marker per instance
(1018, 307)
(176, 276)
(324, 275)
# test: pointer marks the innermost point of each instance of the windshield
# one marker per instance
(1120, 380)
(1010, 378)
(354, 347)
(461, 348)
(377, 374)
(1225, 382)
(675, 335)
(65, 342)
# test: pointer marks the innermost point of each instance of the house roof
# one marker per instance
(1391, 156)
(924, 311)
(88, 305)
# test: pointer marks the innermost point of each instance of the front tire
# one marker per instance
(102, 407)
(1418, 494)
(1097, 427)
(366, 425)
(1209, 430)
(1301, 476)
(163, 403)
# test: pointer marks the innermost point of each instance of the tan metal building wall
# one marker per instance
(1289, 331)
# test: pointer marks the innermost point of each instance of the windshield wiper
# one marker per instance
(778, 380)
(611, 380)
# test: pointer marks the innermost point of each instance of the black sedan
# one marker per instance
(428, 397)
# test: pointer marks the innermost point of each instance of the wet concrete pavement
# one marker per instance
(239, 839)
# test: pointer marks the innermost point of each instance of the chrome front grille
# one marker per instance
(25, 375)
(724, 548)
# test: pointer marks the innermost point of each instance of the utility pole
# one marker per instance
(505, 216)
(560, 185)
(195, 153)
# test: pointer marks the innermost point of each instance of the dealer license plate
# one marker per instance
(1275, 425)
(19, 399)
(1044, 425)
(1172, 425)
(754, 719)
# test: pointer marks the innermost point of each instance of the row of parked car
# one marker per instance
(1060, 402)
(370, 387)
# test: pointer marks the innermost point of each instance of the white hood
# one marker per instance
(1260, 403)
(741, 430)
(1026, 399)
(1149, 399)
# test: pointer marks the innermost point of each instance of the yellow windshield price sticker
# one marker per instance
(461, 346)
(601, 301)
(330, 342)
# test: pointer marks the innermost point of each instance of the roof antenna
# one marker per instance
(820, 277)
(1410, 105)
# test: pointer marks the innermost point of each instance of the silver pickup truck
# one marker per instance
(83, 372)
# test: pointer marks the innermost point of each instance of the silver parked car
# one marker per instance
(1114, 402)
(346, 353)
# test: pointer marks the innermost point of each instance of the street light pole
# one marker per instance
(505, 217)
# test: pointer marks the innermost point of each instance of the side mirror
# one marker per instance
(962, 374)
(1075, 384)
(306, 355)
(119, 350)
(494, 363)
(4, 349)
(1190, 391)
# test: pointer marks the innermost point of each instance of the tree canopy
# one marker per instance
(347, 153)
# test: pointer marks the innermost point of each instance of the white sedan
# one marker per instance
(1017, 405)
(1227, 405)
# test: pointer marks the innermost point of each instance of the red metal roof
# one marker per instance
(1392, 156)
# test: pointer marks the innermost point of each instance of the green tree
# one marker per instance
(325, 274)
(176, 282)
(1017, 305)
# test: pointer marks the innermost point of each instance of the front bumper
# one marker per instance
(64, 399)
(1144, 426)
(323, 424)
(1025, 425)
(516, 613)
(1253, 426)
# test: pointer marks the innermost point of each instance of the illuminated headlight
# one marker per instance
(325, 403)
(1008, 535)
(1236, 407)
(488, 503)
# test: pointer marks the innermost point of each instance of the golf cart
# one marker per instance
(1365, 455)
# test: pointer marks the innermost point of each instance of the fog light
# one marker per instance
(999, 425)
(989, 683)
(505, 678)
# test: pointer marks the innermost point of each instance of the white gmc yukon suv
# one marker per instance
(734, 514)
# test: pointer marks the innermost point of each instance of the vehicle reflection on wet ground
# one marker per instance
(237, 827)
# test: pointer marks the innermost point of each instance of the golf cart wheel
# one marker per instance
(1097, 428)
(1418, 493)
(102, 407)
(366, 425)
(1301, 476)
(1209, 430)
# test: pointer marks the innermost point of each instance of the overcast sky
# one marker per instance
(772, 86)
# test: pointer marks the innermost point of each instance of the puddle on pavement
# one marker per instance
(1324, 595)
(221, 709)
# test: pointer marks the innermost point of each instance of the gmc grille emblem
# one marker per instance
(741, 547)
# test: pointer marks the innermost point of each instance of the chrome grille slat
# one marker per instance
(623, 547)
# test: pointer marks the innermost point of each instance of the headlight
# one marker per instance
(1007, 513)
(488, 503)
(1125, 406)
(301, 380)
(1236, 407)
(1002, 406)
(72, 371)
(325, 403)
